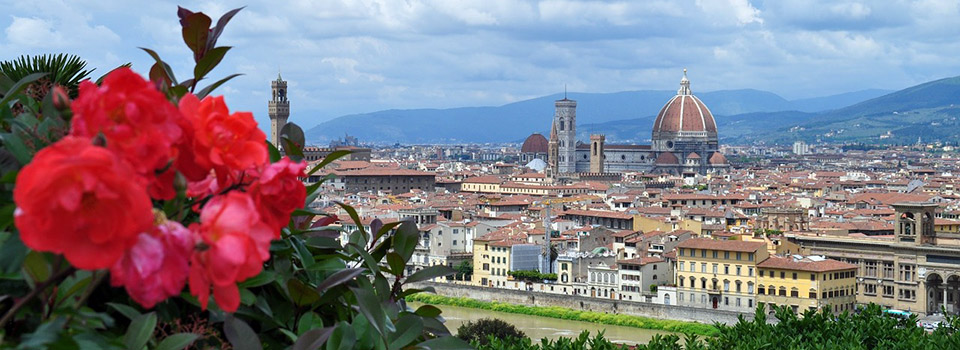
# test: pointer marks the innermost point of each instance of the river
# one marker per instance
(537, 327)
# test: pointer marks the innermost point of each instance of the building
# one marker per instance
(807, 283)
(534, 147)
(718, 274)
(787, 219)
(278, 108)
(684, 142)
(916, 270)
(384, 179)
(638, 274)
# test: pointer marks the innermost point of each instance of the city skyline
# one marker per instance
(354, 57)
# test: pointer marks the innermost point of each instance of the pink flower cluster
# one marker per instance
(91, 195)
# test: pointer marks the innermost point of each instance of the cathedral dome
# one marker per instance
(667, 158)
(685, 113)
(718, 159)
(536, 143)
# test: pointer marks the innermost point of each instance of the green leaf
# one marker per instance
(353, 215)
(430, 273)
(196, 28)
(405, 239)
(313, 339)
(292, 140)
(240, 335)
(328, 159)
(428, 311)
(446, 343)
(12, 254)
(140, 331)
(207, 90)
(396, 263)
(37, 266)
(265, 277)
(221, 23)
(304, 254)
(342, 338)
(21, 84)
(177, 341)
(46, 333)
(17, 147)
(409, 327)
(166, 67)
(125, 310)
(209, 61)
(370, 308)
(338, 278)
(273, 151)
(300, 293)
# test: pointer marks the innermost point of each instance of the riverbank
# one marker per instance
(568, 314)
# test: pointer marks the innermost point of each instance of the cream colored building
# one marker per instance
(718, 274)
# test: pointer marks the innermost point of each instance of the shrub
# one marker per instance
(482, 330)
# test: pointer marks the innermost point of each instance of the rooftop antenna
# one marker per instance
(564, 91)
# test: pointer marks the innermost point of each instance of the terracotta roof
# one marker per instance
(717, 158)
(376, 171)
(732, 246)
(693, 155)
(788, 263)
(667, 158)
(684, 113)
(489, 179)
(599, 214)
(536, 143)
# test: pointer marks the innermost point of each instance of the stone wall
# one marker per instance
(635, 308)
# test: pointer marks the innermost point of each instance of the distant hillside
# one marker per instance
(518, 120)
(826, 103)
(926, 111)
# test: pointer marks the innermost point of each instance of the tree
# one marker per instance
(465, 270)
(480, 332)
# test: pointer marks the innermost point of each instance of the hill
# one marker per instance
(926, 111)
(516, 121)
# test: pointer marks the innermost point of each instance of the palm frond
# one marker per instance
(62, 69)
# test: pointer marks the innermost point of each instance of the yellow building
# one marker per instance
(718, 274)
(649, 224)
(946, 226)
(807, 283)
(490, 260)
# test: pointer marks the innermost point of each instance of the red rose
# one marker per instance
(279, 191)
(237, 242)
(227, 143)
(138, 122)
(187, 161)
(81, 201)
(156, 267)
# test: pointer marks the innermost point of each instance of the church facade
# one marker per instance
(684, 142)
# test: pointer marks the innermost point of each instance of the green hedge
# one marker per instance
(568, 314)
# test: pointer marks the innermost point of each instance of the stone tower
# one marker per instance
(565, 119)
(596, 153)
(915, 223)
(279, 109)
(553, 149)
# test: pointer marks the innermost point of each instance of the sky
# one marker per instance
(354, 56)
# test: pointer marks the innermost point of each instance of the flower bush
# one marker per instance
(160, 189)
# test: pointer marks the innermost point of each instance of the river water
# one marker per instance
(537, 327)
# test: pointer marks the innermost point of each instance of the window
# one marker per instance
(680, 296)
(680, 279)
(813, 277)
(907, 273)
(726, 255)
(726, 269)
(749, 287)
(681, 265)
(794, 275)
(681, 254)
(783, 275)
(794, 293)
(738, 270)
(750, 271)
(738, 255)
(454, 242)
(749, 256)
(714, 254)
(750, 303)
(715, 268)
(703, 253)
(738, 302)
(726, 286)
(703, 267)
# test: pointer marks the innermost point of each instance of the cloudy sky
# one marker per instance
(353, 56)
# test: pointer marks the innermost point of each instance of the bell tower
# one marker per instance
(278, 109)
